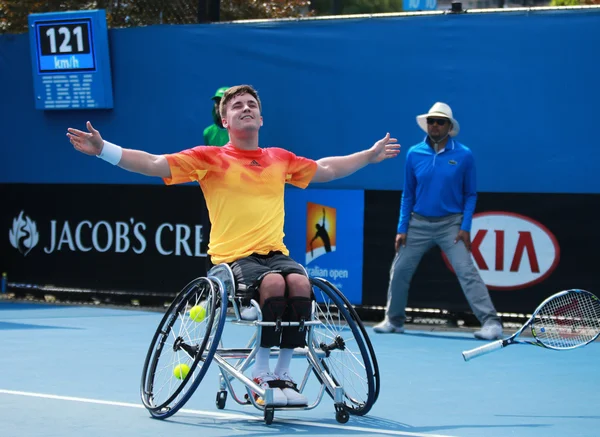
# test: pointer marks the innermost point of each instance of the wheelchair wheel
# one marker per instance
(350, 359)
(365, 337)
(183, 347)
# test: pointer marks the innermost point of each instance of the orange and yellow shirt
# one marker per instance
(244, 192)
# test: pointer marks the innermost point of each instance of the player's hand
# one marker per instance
(90, 143)
(465, 237)
(400, 241)
(385, 148)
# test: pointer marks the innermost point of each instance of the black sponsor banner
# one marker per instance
(143, 238)
(153, 238)
(526, 247)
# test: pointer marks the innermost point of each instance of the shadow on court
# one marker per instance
(356, 426)
(21, 326)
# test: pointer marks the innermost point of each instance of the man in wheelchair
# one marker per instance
(243, 185)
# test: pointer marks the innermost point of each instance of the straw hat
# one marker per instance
(439, 110)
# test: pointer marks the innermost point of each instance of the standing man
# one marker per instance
(243, 185)
(216, 134)
(438, 202)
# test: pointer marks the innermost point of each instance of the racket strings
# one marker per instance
(568, 321)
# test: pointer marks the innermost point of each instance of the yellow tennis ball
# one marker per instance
(198, 313)
(181, 370)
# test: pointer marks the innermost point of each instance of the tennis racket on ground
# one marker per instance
(566, 320)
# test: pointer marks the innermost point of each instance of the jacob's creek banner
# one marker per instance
(154, 238)
(119, 237)
(324, 232)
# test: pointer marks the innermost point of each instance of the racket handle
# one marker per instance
(482, 350)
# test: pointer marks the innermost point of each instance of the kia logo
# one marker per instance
(511, 251)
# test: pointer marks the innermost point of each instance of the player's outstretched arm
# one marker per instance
(336, 167)
(137, 161)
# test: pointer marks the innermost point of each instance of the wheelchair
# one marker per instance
(338, 352)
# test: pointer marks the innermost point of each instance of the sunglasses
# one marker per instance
(439, 121)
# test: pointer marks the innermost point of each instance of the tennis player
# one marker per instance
(243, 185)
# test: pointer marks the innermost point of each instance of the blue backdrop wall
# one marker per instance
(522, 84)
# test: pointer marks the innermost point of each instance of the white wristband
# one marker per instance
(111, 153)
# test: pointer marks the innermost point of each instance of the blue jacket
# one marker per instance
(436, 185)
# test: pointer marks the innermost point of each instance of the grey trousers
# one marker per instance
(422, 235)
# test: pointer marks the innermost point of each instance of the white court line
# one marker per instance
(224, 416)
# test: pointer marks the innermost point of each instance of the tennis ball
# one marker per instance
(181, 370)
(198, 313)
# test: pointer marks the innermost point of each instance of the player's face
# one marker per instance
(438, 127)
(243, 114)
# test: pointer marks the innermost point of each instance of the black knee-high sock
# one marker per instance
(272, 310)
(299, 308)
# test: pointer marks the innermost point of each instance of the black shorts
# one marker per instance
(250, 270)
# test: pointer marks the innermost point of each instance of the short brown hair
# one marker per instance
(235, 91)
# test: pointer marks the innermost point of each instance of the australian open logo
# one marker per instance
(320, 231)
(23, 235)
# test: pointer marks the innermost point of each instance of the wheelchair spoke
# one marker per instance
(181, 341)
(346, 355)
(354, 375)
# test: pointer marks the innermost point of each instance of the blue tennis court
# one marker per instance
(75, 371)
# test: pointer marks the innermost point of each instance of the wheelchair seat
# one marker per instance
(240, 295)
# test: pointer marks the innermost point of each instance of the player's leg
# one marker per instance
(253, 272)
(298, 309)
(470, 280)
(419, 239)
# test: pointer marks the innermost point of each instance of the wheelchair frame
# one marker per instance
(196, 344)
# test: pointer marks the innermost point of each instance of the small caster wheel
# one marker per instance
(221, 399)
(341, 415)
(269, 414)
